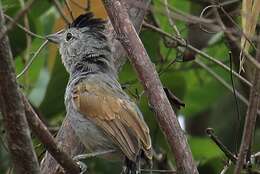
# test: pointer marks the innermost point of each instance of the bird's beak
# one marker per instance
(55, 38)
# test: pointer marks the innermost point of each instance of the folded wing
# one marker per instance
(117, 116)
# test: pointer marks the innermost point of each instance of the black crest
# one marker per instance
(88, 20)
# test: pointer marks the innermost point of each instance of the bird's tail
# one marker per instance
(133, 167)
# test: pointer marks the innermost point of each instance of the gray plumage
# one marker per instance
(102, 114)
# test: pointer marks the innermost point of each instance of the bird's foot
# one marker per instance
(82, 166)
(91, 155)
(81, 157)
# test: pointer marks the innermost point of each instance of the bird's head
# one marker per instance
(84, 46)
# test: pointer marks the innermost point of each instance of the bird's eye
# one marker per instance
(69, 36)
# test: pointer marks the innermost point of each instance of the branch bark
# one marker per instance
(18, 134)
(251, 116)
(66, 137)
(150, 80)
(43, 134)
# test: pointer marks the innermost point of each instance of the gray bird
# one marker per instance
(103, 116)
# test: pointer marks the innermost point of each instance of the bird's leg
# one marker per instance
(82, 166)
(80, 157)
(91, 155)
(138, 166)
(126, 167)
(151, 166)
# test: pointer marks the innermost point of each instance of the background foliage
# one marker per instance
(207, 102)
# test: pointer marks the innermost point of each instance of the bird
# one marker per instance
(103, 116)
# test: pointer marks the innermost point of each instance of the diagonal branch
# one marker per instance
(199, 52)
(152, 85)
(41, 131)
(60, 10)
(20, 14)
(23, 28)
(18, 134)
(251, 116)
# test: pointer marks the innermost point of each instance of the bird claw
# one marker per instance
(124, 170)
(82, 166)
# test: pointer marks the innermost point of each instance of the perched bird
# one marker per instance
(103, 116)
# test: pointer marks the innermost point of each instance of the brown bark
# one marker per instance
(66, 137)
(150, 80)
(43, 134)
(17, 131)
(251, 116)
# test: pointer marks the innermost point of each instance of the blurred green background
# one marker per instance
(207, 102)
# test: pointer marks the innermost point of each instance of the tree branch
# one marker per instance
(43, 134)
(18, 134)
(199, 52)
(152, 85)
(251, 116)
(66, 137)
(28, 32)
(20, 14)
(59, 8)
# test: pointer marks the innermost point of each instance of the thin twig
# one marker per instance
(158, 171)
(215, 8)
(229, 155)
(23, 28)
(31, 60)
(59, 8)
(167, 67)
(202, 16)
(69, 9)
(75, 2)
(244, 53)
(94, 154)
(20, 14)
(186, 17)
(28, 42)
(201, 53)
(237, 126)
(225, 169)
(172, 23)
(251, 116)
(41, 131)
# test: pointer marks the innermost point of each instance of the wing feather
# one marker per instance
(117, 116)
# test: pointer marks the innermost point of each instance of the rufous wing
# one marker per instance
(117, 116)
